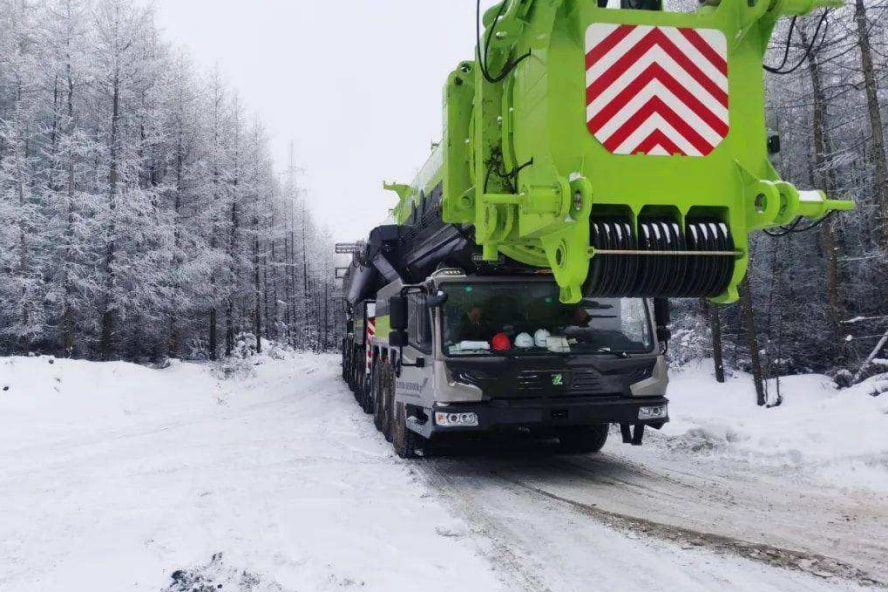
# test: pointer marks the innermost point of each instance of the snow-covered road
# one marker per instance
(115, 477)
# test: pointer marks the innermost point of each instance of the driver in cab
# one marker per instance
(474, 327)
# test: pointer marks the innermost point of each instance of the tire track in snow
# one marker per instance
(625, 498)
(513, 570)
(818, 565)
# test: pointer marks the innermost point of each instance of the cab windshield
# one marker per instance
(515, 318)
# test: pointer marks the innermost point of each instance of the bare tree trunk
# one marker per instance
(305, 295)
(173, 342)
(752, 340)
(24, 254)
(232, 243)
(67, 312)
(214, 241)
(326, 313)
(257, 295)
(875, 117)
(826, 174)
(712, 316)
(293, 310)
(274, 277)
(871, 358)
(289, 320)
(258, 291)
(107, 336)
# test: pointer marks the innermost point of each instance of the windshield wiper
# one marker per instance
(609, 351)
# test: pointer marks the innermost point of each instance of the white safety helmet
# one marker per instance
(524, 341)
(541, 338)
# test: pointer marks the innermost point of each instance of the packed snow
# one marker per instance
(116, 476)
(263, 475)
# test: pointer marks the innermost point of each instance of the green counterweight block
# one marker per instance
(625, 150)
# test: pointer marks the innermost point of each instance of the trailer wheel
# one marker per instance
(405, 441)
(583, 439)
(387, 394)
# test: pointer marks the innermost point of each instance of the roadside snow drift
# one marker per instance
(839, 436)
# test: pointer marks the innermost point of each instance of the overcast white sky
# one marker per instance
(355, 84)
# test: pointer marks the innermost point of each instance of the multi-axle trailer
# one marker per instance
(596, 160)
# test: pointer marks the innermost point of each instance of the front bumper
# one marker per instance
(506, 414)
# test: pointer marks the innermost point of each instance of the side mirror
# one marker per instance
(663, 319)
(398, 339)
(438, 300)
(398, 313)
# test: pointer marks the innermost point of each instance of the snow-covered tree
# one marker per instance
(140, 209)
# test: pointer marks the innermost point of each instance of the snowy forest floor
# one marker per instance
(269, 478)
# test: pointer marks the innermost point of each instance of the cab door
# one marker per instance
(414, 384)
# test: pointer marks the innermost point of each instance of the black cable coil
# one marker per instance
(659, 276)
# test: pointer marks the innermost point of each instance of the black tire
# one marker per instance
(347, 364)
(376, 382)
(583, 439)
(357, 371)
(405, 441)
(367, 397)
(351, 369)
(358, 379)
(387, 394)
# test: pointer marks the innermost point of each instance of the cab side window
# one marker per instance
(419, 332)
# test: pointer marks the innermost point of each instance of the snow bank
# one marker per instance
(836, 435)
(117, 477)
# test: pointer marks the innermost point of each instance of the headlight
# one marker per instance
(446, 419)
(658, 412)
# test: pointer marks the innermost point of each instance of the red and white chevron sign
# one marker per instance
(371, 331)
(656, 90)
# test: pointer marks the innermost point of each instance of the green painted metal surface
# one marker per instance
(519, 159)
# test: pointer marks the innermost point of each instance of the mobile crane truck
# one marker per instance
(598, 158)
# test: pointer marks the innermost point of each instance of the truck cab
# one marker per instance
(465, 353)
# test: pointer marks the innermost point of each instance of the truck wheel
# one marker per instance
(356, 376)
(367, 398)
(351, 373)
(387, 394)
(583, 439)
(405, 441)
(351, 366)
(358, 379)
(376, 390)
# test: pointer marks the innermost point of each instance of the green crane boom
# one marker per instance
(625, 150)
